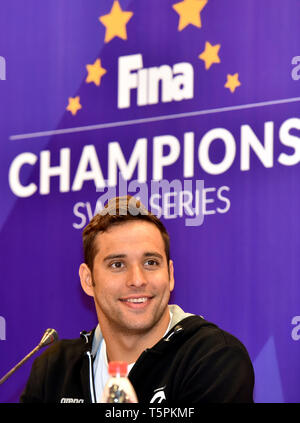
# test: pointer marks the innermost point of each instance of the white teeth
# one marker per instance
(137, 300)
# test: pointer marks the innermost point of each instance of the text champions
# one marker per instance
(193, 151)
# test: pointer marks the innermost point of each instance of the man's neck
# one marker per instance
(128, 347)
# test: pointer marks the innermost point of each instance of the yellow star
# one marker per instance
(115, 22)
(95, 72)
(210, 54)
(232, 82)
(189, 12)
(74, 105)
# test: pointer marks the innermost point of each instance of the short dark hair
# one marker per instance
(117, 211)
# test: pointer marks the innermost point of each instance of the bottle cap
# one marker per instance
(120, 367)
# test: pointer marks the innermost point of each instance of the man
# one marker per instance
(172, 355)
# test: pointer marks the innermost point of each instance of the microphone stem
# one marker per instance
(8, 374)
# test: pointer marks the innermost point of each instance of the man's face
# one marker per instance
(131, 278)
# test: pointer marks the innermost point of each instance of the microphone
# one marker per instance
(48, 338)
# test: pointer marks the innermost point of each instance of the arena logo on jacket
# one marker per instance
(72, 400)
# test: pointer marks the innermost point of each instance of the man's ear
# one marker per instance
(86, 279)
(171, 273)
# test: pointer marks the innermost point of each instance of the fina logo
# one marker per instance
(2, 329)
(175, 83)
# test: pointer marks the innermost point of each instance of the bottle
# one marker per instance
(118, 388)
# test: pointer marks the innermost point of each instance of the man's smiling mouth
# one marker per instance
(135, 301)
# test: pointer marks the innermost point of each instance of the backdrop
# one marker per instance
(195, 104)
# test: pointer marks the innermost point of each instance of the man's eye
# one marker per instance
(152, 262)
(117, 265)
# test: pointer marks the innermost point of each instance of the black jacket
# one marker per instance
(195, 362)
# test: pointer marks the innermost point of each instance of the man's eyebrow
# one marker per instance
(153, 254)
(147, 254)
(114, 256)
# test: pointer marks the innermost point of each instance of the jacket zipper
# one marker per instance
(91, 377)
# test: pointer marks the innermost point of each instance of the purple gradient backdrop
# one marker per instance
(239, 269)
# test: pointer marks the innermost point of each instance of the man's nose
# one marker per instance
(136, 276)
